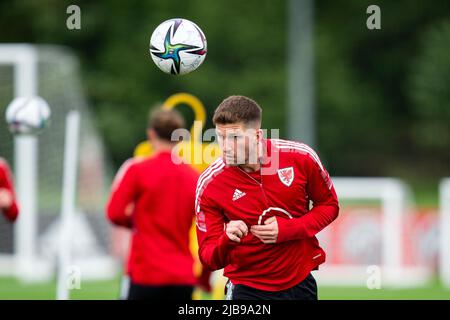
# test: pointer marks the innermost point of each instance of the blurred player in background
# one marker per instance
(155, 197)
(8, 203)
(253, 209)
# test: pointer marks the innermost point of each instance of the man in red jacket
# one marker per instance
(8, 204)
(253, 210)
(155, 198)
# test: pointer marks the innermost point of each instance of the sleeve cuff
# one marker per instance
(12, 213)
(288, 229)
(224, 242)
(224, 245)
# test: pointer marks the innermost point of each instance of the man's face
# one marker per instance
(239, 143)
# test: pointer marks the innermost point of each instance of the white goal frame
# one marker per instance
(444, 232)
(395, 198)
(25, 263)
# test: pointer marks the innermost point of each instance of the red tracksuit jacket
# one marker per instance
(155, 198)
(227, 193)
(6, 183)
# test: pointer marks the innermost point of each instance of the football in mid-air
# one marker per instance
(178, 46)
(27, 115)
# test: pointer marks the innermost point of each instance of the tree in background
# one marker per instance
(378, 110)
(430, 97)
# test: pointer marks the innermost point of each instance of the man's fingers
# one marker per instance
(263, 232)
(234, 238)
(268, 232)
(260, 237)
(239, 225)
(6, 198)
(236, 231)
(237, 228)
(129, 209)
(264, 236)
(261, 228)
(266, 239)
(270, 220)
(243, 227)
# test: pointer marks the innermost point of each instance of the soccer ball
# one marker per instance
(27, 115)
(178, 46)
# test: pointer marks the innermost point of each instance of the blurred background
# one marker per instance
(373, 103)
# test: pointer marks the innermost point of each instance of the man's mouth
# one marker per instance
(230, 159)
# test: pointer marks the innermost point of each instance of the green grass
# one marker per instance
(430, 292)
(11, 288)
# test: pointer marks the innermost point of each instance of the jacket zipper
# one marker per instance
(260, 184)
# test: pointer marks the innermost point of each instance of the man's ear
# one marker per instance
(151, 134)
(259, 134)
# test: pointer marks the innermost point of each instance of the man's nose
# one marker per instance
(224, 145)
(227, 144)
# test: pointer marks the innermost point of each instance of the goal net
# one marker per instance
(29, 248)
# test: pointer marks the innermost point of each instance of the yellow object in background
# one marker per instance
(194, 152)
(200, 156)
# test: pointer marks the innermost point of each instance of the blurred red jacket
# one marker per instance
(155, 198)
(6, 182)
(227, 193)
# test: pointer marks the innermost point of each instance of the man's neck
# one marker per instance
(159, 146)
(250, 167)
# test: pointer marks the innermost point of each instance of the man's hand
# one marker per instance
(6, 199)
(129, 209)
(267, 233)
(236, 229)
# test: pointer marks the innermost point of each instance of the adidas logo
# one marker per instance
(238, 194)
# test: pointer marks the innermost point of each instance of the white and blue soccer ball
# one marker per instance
(178, 46)
(27, 115)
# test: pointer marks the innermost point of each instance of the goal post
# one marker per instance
(444, 232)
(31, 249)
(24, 59)
(68, 203)
(395, 199)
